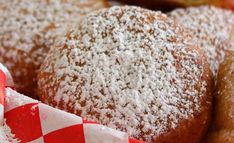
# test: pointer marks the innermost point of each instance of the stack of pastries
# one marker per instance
(143, 72)
(28, 30)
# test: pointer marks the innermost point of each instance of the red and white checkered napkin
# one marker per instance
(34, 122)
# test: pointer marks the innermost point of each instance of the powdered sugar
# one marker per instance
(28, 28)
(127, 68)
(212, 29)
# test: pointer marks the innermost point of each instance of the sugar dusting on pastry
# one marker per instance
(30, 27)
(128, 68)
(23, 22)
(212, 29)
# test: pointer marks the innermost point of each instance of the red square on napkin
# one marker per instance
(24, 122)
(72, 134)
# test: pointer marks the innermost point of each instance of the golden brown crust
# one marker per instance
(221, 136)
(223, 128)
(24, 73)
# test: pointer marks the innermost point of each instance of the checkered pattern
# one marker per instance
(34, 122)
(2, 87)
